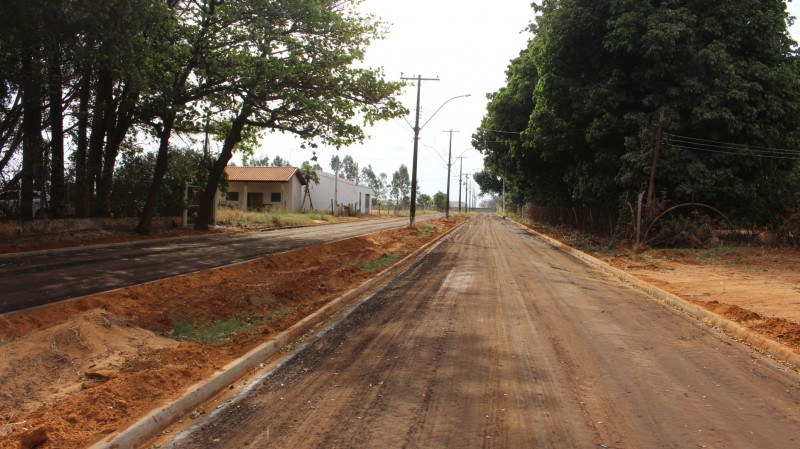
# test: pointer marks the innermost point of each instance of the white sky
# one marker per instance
(468, 46)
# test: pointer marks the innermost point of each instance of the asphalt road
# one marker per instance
(497, 340)
(33, 279)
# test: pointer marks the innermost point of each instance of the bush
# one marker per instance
(787, 232)
(697, 230)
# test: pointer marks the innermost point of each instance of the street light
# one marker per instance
(417, 129)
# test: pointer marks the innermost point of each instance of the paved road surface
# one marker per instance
(28, 280)
(497, 340)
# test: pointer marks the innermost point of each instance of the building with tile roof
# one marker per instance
(264, 188)
(283, 189)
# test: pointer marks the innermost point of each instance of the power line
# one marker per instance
(503, 132)
(739, 145)
(713, 146)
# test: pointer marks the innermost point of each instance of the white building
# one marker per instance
(264, 188)
(350, 195)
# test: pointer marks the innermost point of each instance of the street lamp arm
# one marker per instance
(437, 153)
(462, 153)
(440, 108)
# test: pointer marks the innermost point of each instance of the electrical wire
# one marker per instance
(713, 146)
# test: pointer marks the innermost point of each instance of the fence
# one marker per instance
(598, 220)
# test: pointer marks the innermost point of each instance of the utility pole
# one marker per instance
(659, 135)
(336, 191)
(504, 198)
(460, 168)
(466, 193)
(413, 209)
(449, 164)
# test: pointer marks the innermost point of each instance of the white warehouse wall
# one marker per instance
(349, 194)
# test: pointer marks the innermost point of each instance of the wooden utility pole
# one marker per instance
(413, 210)
(659, 135)
(460, 172)
(449, 164)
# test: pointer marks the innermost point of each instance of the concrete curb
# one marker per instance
(769, 347)
(160, 418)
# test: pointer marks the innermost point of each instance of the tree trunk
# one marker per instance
(94, 162)
(82, 194)
(158, 176)
(114, 137)
(58, 198)
(31, 131)
(210, 192)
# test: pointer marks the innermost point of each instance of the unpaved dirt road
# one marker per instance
(496, 340)
(34, 279)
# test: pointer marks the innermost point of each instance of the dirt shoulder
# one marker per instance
(757, 287)
(75, 371)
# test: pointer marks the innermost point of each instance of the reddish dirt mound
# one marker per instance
(87, 367)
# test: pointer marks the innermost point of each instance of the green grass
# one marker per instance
(380, 263)
(212, 333)
(427, 230)
(241, 218)
(277, 314)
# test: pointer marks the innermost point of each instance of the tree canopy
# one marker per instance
(350, 169)
(77, 79)
(576, 122)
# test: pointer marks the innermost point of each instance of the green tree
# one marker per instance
(401, 184)
(424, 200)
(440, 200)
(280, 162)
(310, 173)
(132, 180)
(296, 74)
(488, 182)
(255, 161)
(350, 169)
(374, 182)
(336, 165)
(592, 80)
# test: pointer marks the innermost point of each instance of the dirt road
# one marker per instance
(496, 340)
(33, 279)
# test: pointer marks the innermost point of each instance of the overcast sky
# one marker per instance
(468, 46)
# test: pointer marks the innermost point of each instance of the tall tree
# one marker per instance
(296, 75)
(593, 78)
(310, 173)
(280, 162)
(336, 164)
(374, 182)
(350, 169)
(440, 200)
(401, 184)
(255, 161)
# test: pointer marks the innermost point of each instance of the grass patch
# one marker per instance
(245, 219)
(380, 263)
(211, 333)
(277, 314)
(427, 230)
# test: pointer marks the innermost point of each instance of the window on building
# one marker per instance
(275, 197)
(232, 196)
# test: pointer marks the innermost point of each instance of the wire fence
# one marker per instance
(597, 220)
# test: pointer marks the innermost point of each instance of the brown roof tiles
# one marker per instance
(263, 174)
